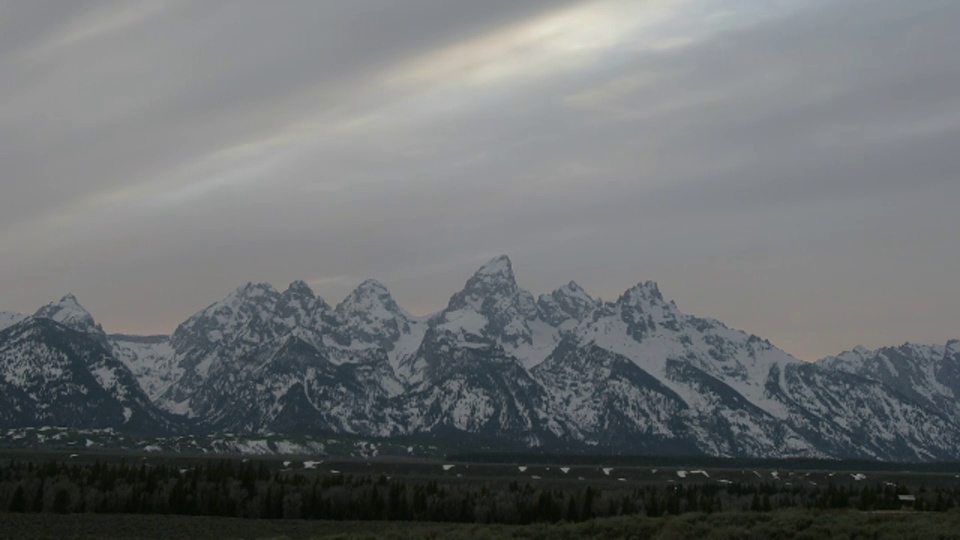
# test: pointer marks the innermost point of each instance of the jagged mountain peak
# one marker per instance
(372, 287)
(646, 292)
(493, 284)
(248, 294)
(646, 299)
(370, 296)
(299, 289)
(497, 266)
(569, 302)
(68, 303)
(255, 290)
(574, 290)
(245, 296)
(496, 273)
(71, 314)
(953, 346)
(221, 321)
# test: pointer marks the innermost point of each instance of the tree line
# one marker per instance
(249, 490)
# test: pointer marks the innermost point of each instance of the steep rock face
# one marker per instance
(55, 375)
(214, 343)
(568, 304)
(716, 373)
(296, 388)
(151, 359)
(370, 315)
(469, 372)
(261, 360)
(681, 350)
(470, 385)
(370, 318)
(71, 314)
(848, 415)
(606, 400)
(948, 373)
(491, 306)
(927, 374)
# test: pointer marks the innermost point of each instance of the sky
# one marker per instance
(790, 167)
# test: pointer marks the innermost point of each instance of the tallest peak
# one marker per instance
(497, 272)
(497, 266)
(495, 278)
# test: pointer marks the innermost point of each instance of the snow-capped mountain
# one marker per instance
(56, 370)
(927, 374)
(150, 359)
(562, 371)
(71, 314)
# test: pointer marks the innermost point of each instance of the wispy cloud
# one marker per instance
(790, 153)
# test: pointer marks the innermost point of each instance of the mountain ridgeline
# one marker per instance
(564, 372)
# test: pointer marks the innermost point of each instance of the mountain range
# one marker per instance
(560, 372)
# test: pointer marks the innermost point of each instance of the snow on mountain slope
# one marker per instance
(71, 314)
(569, 303)
(475, 389)
(151, 359)
(296, 388)
(369, 317)
(846, 415)
(370, 313)
(925, 373)
(10, 318)
(716, 373)
(216, 339)
(645, 328)
(253, 344)
(605, 399)
(493, 307)
(564, 370)
(59, 376)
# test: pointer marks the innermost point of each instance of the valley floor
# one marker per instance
(785, 524)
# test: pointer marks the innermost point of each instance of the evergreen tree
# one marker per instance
(19, 501)
(61, 502)
(38, 498)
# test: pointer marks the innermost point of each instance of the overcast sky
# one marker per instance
(791, 167)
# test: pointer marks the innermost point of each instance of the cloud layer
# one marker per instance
(789, 167)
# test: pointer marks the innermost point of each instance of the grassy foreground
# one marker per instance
(785, 524)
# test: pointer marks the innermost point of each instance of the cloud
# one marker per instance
(779, 165)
